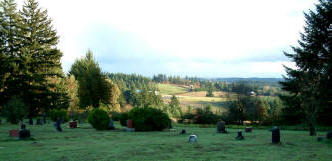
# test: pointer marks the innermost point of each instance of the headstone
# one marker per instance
(275, 135)
(44, 117)
(73, 124)
(312, 130)
(239, 135)
(13, 133)
(130, 123)
(192, 138)
(111, 125)
(320, 138)
(30, 121)
(57, 125)
(248, 129)
(183, 131)
(221, 127)
(24, 133)
(39, 122)
(0, 121)
(329, 135)
(130, 127)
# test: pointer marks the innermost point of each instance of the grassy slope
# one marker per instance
(169, 89)
(87, 144)
(195, 99)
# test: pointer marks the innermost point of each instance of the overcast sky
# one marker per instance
(204, 38)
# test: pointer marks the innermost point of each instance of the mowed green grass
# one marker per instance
(86, 144)
(170, 89)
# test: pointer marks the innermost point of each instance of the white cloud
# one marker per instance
(185, 30)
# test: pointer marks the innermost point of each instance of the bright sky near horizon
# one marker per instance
(204, 38)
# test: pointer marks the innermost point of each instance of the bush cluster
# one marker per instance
(149, 119)
(99, 119)
(14, 110)
(201, 116)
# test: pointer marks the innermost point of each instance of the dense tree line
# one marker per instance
(132, 81)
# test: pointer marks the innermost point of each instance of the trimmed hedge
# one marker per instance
(99, 119)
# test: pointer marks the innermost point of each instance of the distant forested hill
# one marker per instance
(267, 80)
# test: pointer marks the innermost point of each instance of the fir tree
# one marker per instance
(310, 82)
(44, 68)
(93, 88)
(9, 49)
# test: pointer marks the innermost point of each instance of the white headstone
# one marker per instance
(192, 139)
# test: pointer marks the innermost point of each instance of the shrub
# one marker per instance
(99, 119)
(201, 116)
(149, 119)
(205, 117)
(14, 110)
(123, 118)
(62, 114)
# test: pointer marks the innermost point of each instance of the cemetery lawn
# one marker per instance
(86, 144)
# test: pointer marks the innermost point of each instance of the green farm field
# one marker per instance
(86, 144)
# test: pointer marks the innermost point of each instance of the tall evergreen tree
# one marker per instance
(310, 82)
(92, 85)
(9, 48)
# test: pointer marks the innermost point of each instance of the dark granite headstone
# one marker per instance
(312, 130)
(44, 117)
(111, 125)
(320, 138)
(248, 129)
(275, 135)
(183, 131)
(239, 135)
(39, 122)
(221, 128)
(30, 121)
(24, 133)
(57, 125)
(329, 135)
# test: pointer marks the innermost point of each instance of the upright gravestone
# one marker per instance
(0, 121)
(39, 122)
(111, 125)
(275, 135)
(329, 135)
(221, 127)
(24, 133)
(312, 130)
(130, 126)
(30, 121)
(239, 135)
(57, 125)
(44, 117)
(183, 131)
